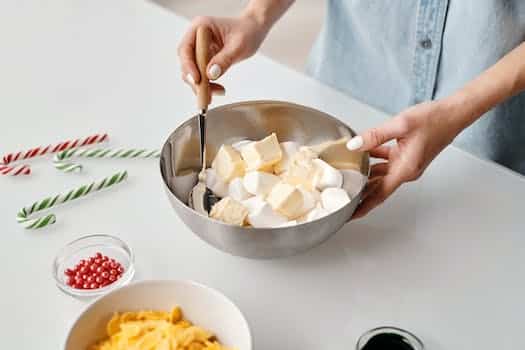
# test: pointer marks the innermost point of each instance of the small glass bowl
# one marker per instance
(83, 248)
(407, 337)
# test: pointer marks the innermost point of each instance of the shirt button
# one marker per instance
(426, 43)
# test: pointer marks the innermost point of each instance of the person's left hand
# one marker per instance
(421, 132)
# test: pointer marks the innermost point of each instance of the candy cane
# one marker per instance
(42, 150)
(23, 215)
(60, 158)
(14, 170)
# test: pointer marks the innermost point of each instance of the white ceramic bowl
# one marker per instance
(201, 305)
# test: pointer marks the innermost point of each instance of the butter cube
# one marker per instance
(240, 144)
(216, 184)
(286, 200)
(337, 155)
(302, 169)
(288, 149)
(262, 154)
(228, 163)
(229, 211)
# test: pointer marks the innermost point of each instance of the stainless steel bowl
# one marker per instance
(179, 165)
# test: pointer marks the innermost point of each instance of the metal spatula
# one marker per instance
(202, 198)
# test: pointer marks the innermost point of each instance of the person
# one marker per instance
(438, 65)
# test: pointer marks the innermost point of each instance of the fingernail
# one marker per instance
(214, 72)
(355, 143)
(190, 79)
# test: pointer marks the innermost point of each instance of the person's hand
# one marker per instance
(421, 132)
(233, 40)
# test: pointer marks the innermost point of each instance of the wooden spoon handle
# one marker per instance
(202, 54)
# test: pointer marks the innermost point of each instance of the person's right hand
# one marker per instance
(233, 40)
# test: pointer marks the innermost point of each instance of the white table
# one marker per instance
(443, 257)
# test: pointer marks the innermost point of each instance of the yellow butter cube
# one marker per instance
(302, 169)
(229, 211)
(228, 163)
(263, 154)
(286, 200)
(337, 155)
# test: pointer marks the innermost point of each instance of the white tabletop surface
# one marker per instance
(443, 258)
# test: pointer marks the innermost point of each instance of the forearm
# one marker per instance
(498, 83)
(267, 12)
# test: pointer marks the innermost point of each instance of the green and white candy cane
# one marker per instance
(60, 161)
(23, 215)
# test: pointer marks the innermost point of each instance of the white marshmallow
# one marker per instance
(253, 203)
(259, 183)
(334, 198)
(264, 216)
(353, 182)
(328, 176)
(288, 148)
(216, 184)
(240, 144)
(237, 191)
(316, 213)
(289, 223)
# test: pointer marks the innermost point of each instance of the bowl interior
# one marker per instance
(201, 305)
(246, 120)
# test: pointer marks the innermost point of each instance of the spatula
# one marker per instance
(202, 198)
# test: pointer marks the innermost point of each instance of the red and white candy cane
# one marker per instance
(15, 170)
(6, 169)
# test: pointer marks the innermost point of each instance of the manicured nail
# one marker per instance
(214, 72)
(355, 143)
(190, 79)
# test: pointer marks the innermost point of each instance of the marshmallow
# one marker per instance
(215, 183)
(328, 176)
(286, 200)
(289, 223)
(259, 183)
(334, 199)
(228, 163)
(253, 203)
(353, 182)
(288, 148)
(240, 144)
(229, 211)
(237, 191)
(262, 154)
(264, 216)
(316, 213)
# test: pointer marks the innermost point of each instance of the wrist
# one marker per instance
(258, 16)
(460, 110)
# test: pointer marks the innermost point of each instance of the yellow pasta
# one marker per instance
(155, 330)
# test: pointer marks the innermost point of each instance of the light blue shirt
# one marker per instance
(395, 53)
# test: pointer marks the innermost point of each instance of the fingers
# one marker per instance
(379, 193)
(186, 52)
(222, 61)
(380, 152)
(393, 128)
(378, 169)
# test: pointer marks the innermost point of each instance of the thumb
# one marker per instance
(222, 61)
(372, 138)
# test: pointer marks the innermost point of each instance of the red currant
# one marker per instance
(105, 274)
(93, 267)
(106, 264)
(120, 269)
(93, 285)
(99, 255)
(85, 286)
(112, 278)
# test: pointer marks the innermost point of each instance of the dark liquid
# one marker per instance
(387, 341)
